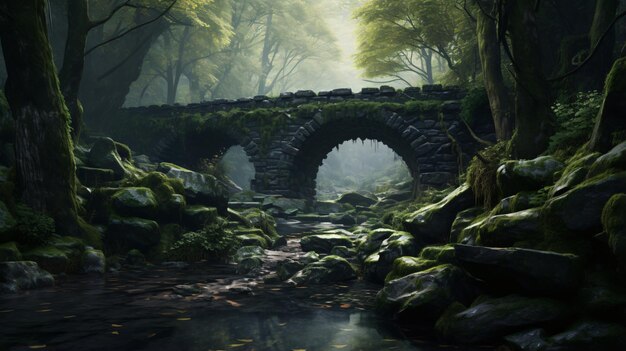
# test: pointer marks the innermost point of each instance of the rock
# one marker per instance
(50, 258)
(614, 223)
(103, 154)
(249, 264)
(531, 271)
(93, 261)
(323, 243)
(614, 160)
(261, 220)
(309, 257)
(95, 177)
(343, 218)
(441, 254)
(520, 202)
(132, 233)
(343, 251)
(507, 229)
(9, 252)
(23, 275)
(187, 289)
(493, 318)
(424, 296)
(135, 257)
(527, 175)
(403, 266)
(287, 268)
(379, 264)
(284, 204)
(202, 189)
(135, 202)
(432, 223)
(601, 300)
(329, 269)
(579, 210)
(253, 237)
(328, 207)
(530, 340)
(196, 217)
(246, 252)
(7, 222)
(590, 335)
(463, 220)
(356, 199)
(373, 240)
(574, 174)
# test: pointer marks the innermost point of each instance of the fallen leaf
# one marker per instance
(298, 350)
(151, 335)
(282, 324)
(345, 305)
(275, 289)
(35, 347)
(339, 346)
(116, 325)
(233, 303)
(183, 319)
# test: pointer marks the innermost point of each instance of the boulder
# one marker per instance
(343, 251)
(93, 261)
(199, 188)
(405, 265)
(356, 199)
(10, 252)
(284, 204)
(253, 237)
(614, 223)
(490, 319)
(520, 202)
(23, 275)
(328, 207)
(61, 255)
(287, 268)
(343, 218)
(94, 177)
(589, 335)
(379, 264)
(248, 258)
(196, 217)
(463, 220)
(574, 174)
(527, 175)
(103, 154)
(329, 269)
(324, 243)
(372, 241)
(424, 296)
(528, 340)
(579, 210)
(135, 202)
(508, 229)
(432, 223)
(135, 257)
(132, 233)
(261, 220)
(614, 160)
(531, 271)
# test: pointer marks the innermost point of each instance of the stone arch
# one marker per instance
(316, 138)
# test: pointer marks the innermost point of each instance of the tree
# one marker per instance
(44, 157)
(610, 127)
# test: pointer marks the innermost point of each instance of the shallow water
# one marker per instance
(141, 310)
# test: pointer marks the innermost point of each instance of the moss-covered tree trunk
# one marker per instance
(610, 126)
(603, 57)
(43, 147)
(534, 120)
(489, 51)
(74, 61)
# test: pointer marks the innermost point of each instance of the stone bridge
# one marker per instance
(288, 137)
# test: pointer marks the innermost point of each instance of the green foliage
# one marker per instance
(475, 104)
(575, 121)
(33, 228)
(481, 173)
(214, 243)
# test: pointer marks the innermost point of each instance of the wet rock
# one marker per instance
(463, 220)
(253, 237)
(433, 222)
(328, 207)
(284, 204)
(424, 296)
(49, 258)
(135, 258)
(579, 210)
(343, 218)
(309, 257)
(343, 251)
(575, 173)
(614, 160)
(103, 154)
(532, 271)
(379, 264)
(23, 275)
(10, 252)
(132, 233)
(529, 340)
(139, 202)
(199, 188)
(196, 217)
(94, 177)
(329, 269)
(520, 202)
(490, 319)
(249, 258)
(187, 289)
(356, 199)
(373, 240)
(261, 220)
(93, 261)
(527, 175)
(324, 243)
(287, 268)
(508, 229)
(614, 223)
(589, 335)
(403, 266)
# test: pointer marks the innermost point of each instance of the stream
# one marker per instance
(201, 307)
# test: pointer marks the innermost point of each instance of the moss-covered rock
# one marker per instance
(49, 258)
(135, 202)
(261, 220)
(527, 175)
(324, 243)
(248, 258)
(202, 189)
(10, 252)
(513, 269)
(94, 177)
(509, 229)
(93, 261)
(463, 220)
(579, 210)
(425, 295)
(342, 251)
(328, 207)
(590, 335)
(253, 237)
(379, 264)
(23, 275)
(614, 223)
(403, 266)
(135, 257)
(612, 161)
(493, 318)
(124, 233)
(372, 241)
(103, 154)
(196, 217)
(287, 268)
(432, 223)
(575, 173)
(441, 254)
(329, 269)
(357, 199)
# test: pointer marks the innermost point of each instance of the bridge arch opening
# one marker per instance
(365, 166)
(315, 148)
(237, 167)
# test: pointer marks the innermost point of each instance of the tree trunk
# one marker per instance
(610, 126)
(44, 156)
(534, 119)
(266, 65)
(603, 59)
(489, 51)
(428, 65)
(74, 61)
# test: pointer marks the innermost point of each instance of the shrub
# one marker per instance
(475, 106)
(575, 122)
(33, 228)
(214, 243)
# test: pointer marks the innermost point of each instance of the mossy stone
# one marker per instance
(196, 217)
(136, 201)
(10, 252)
(403, 266)
(124, 233)
(251, 239)
(329, 269)
(614, 224)
(324, 243)
(50, 258)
